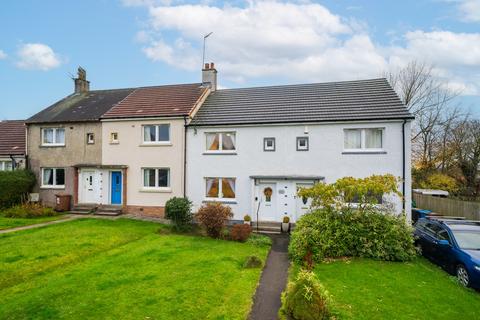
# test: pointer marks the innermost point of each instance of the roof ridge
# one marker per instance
(147, 87)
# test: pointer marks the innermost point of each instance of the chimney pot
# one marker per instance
(207, 66)
(209, 76)
(82, 85)
(212, 66)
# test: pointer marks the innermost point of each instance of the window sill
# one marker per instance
(114, 142)
(156, 144)
(364, 152)
(52, 187)
(228, 201)
(220, 153)
(156, 190)
(52, 145)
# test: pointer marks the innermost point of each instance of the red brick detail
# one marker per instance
(147, 211)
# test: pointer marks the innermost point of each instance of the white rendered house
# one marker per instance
(253, 148)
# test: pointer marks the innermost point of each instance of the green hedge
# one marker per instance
(15, 186)
(372, 234)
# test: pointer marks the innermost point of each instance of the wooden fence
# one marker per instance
(448, 207)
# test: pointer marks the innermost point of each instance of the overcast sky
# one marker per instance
(133, 43)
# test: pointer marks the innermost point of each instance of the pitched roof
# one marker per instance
(161, 101)
(89, 106)
(318, 102)
(12, 137)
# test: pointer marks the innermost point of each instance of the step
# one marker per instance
(266, 224)
(84, 212)
(267, 231)
(110, 208)
(108, 213)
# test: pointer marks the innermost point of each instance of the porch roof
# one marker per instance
(288, 177)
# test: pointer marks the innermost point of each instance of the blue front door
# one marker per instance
(116, 187)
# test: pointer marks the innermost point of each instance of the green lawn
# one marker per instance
(7, 223)
(366, 289)
(123, 269)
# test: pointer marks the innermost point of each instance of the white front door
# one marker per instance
(302, 204)
(267, 202)
(89, 187)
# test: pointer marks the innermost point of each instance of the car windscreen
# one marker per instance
(469, 240)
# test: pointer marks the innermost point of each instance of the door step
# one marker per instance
(270, 227)
(101, 210)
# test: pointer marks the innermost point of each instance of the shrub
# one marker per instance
(252, 262)
(259, 240)
(15, 186)
(214, 216)
(372, 233)
(240, 232)
(247, 218)
(179, 211)
(305, 299)
(286, 219)
(29, 210)
(439, 181)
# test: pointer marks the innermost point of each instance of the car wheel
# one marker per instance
(462, 276)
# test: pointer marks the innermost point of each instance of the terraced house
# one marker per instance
(12, 145)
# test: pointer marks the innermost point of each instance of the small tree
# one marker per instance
(214, 216)
(179, 211)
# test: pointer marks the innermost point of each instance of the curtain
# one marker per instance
(149, 133)
(47, 177)
(228, 141)
(212, 187)
(47, 135)
(353, 139)
(149, 177)
(213, 141)
(60, 136)
(228, 188)
(373, 138)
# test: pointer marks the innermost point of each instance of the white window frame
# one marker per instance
(363, 147)
(220, 197)
(156, 187)
(92, 136)
(112, 140)
(220, 142)
(157, 134)
(267, 148)
(55, 143)
(3, 165)
(54, 173)
(300, 148)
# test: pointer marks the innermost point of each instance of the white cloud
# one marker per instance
(3, 55)
(298, 41)
(470, 10)
(37, 56)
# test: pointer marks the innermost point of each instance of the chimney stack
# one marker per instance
(81, 83)
(209, 76)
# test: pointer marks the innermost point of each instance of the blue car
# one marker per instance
(452, 244)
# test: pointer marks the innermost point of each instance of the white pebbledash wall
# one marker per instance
(324, 158)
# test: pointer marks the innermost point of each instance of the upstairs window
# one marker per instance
(53, 136)
(268, 144)
(302, 143)
(90, 138)
(6, 166)
(156, 133)
(114, 138)
(53, 177)
(363, 139)
(220, 188)
(220, 141)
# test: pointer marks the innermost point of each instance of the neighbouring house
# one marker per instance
(65, 144)
(12, 145)
(253, 148)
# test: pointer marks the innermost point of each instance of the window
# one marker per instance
(156, 133)
(363, 139)
(90, 138)
(114, 137)
(302, 143)
(268, 144)
(6, 165)
(220, 188)
(156, 178)
(220, 141)
(53, 177)
(53, 136)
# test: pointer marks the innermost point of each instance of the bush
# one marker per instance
(179, 211)
(372, 233)
(252, 262)
(439, 181)
(29, 210)
(240, 232)
(259, 240)
(305, 299)
(213, 217)
(15, 186)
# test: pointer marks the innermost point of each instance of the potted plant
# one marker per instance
(247, 219)
(286, 223)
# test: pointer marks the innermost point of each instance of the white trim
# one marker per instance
(220, 142)
(156, 188)
(363, 149)
(157, 142)
(54, 136)
(220, 199)
(54, 175)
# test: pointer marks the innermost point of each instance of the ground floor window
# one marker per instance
(6, 165)
(156, 177)
(53, 177)
(220, 188)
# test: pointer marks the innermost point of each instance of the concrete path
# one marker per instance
(68, 217)
(266, 302)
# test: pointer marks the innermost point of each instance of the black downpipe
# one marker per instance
(403, 164)
(185, 158)
(13, 162)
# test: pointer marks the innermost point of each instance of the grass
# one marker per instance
(7, 223)
(123, 269)
(367, 289)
